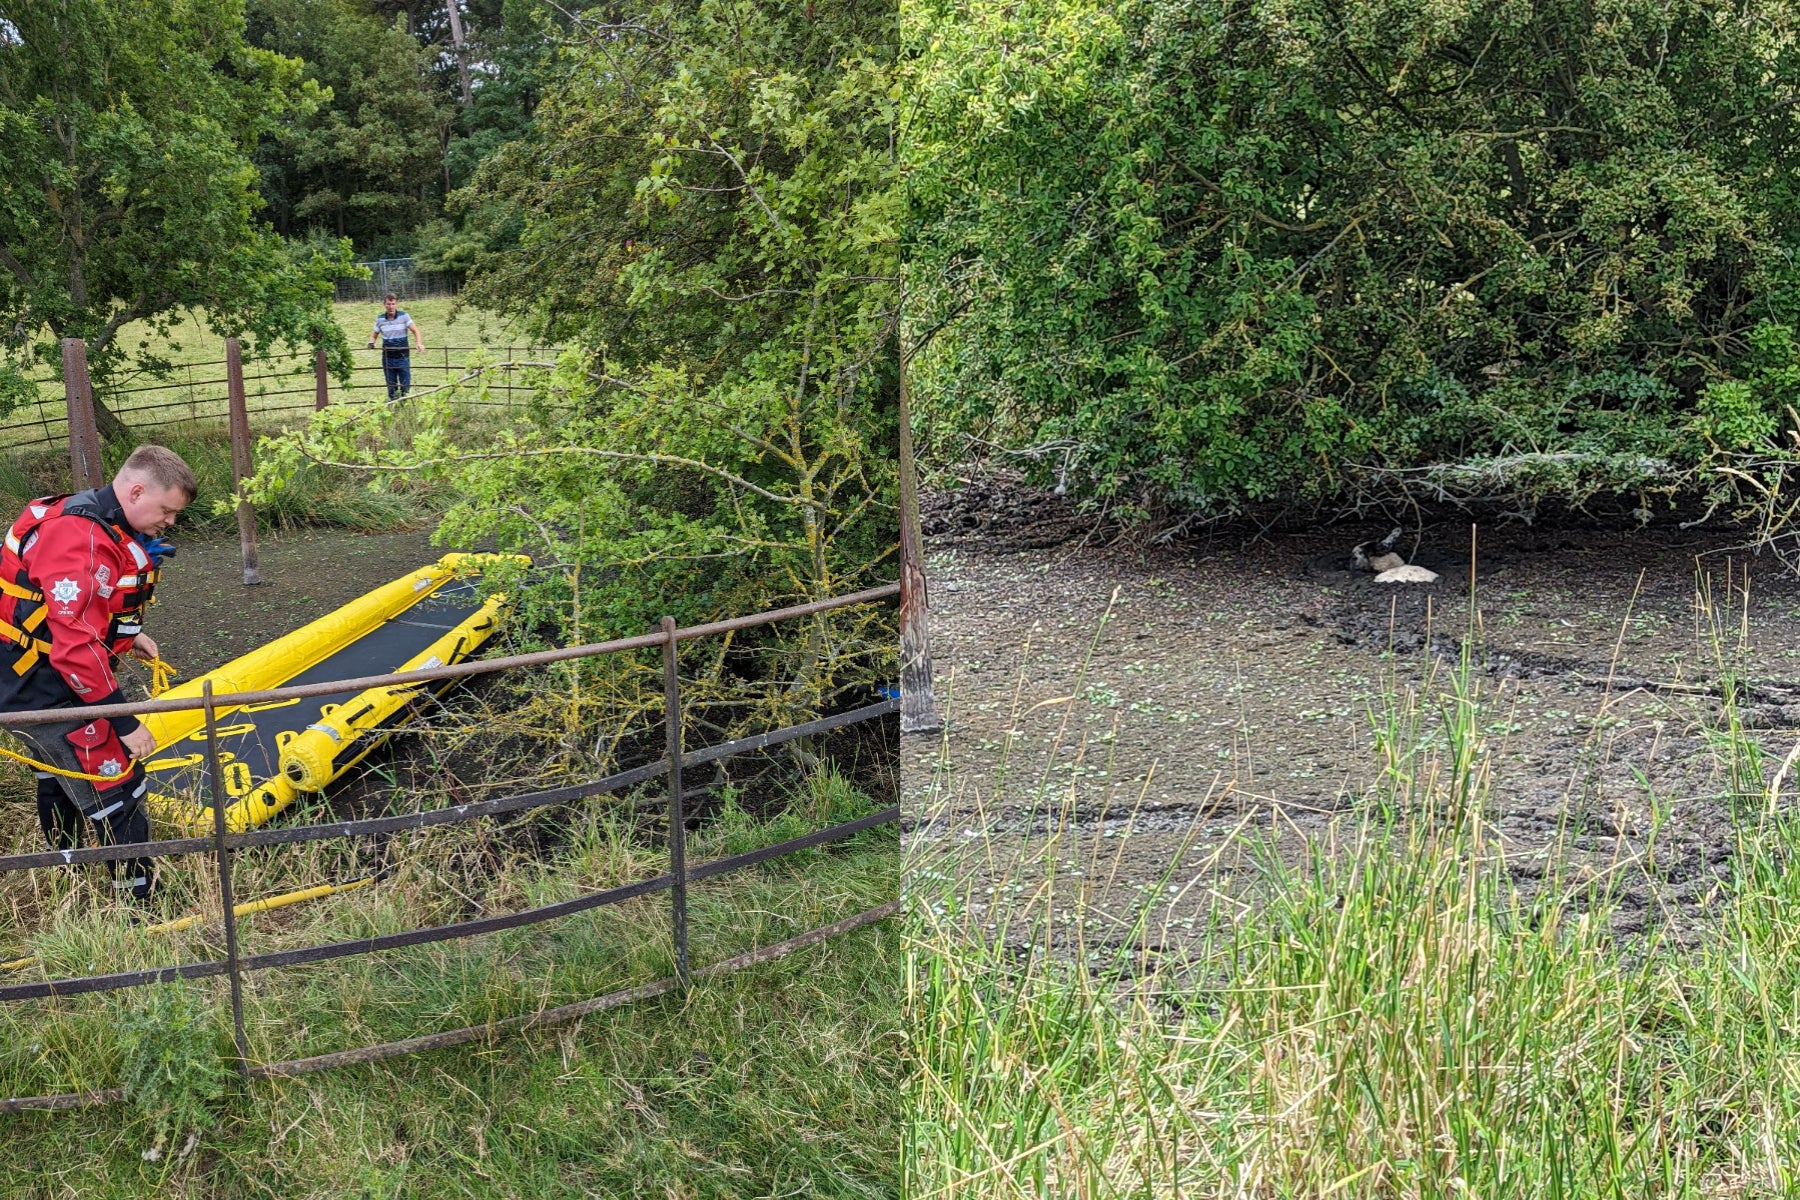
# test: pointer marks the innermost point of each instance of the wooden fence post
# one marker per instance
(85, 466)
(241, 466)
(677, 820)
(321, 381)
(918, 708)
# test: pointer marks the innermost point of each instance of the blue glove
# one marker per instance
(157, 548)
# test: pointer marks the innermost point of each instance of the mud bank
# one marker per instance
(1136, 720)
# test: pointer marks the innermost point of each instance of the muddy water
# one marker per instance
(1173, 708)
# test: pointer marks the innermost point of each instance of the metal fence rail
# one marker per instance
(273, 390)
(401, 276)
(66, 1101)
(675, 881)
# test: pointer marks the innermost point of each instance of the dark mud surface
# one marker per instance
(1234, 692)
(204, 615)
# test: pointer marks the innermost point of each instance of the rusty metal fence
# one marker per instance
(278, 388)
(401, 276)
(223, 844)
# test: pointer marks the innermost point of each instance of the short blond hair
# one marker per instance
(163, 467)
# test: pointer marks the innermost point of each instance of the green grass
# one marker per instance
(317, 496)
(780, 1080)
(439, 324)
(278, 391)
(1386, 1015)
(190, 342)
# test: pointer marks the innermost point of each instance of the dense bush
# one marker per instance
(1219, 252)
(709, 220)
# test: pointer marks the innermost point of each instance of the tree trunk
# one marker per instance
(107, 422)
(461, 47)
(111, 428)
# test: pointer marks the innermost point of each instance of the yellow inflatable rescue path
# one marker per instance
(270, 753)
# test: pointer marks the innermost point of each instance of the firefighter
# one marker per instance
(76, 572)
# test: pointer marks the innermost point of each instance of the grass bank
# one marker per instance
(777, 1081)
(1388, 1011)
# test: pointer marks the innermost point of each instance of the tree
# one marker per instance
(126, 192)
(366, 162)
(710, 217)
(515, 45)
(1210, 254)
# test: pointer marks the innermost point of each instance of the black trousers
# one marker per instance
(117, 814)
(62, 824)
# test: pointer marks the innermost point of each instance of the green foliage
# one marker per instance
(515, 44)
(463, 243)
(1225, 253)
(316, 497)
(392, 137)
(126, 193)
(366, 161)
(516, 49)
(173, 1072)
(825, 798)
(710, 216)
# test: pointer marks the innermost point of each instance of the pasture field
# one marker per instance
(190, 399)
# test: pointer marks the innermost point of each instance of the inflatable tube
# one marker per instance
(344, 733)
(431, 612)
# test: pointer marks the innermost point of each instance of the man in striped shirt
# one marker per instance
(392, 328)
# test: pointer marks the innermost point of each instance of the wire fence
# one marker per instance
(401, 276)
(279, 390)
(676, 880)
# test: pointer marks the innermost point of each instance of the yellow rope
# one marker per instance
(35, 765)
(162, 673)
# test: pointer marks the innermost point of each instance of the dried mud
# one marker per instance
(1228, 701)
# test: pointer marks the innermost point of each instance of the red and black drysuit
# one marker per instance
(75, 582)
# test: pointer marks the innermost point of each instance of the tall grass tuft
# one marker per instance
(317, 496)
(1380, 1012)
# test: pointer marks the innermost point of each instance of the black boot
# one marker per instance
(121, 821)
